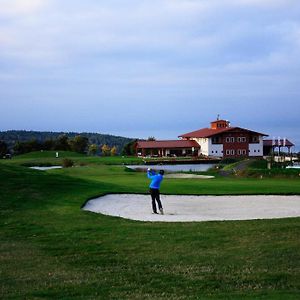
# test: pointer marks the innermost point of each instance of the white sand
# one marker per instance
(46, 168)
(196, 208)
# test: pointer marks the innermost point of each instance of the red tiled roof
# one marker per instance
(167, 144)
(208, 132)
(276, 144)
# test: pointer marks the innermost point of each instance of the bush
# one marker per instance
(67, 163)
(229, 160)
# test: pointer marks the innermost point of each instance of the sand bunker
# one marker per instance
(196, 208)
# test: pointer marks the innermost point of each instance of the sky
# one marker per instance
(142, 68)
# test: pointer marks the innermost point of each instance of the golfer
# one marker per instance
(156, 180)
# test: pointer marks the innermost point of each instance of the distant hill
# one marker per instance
(10, 137)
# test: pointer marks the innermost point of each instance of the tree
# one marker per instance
(105, 150)
(3, 149)
(25, 147)
(62, 143)
(19, 148)
(49, 144)
(151, 138)
(113, 151)
(33, 145)
(79, 144)
(130, 148)
(93, 149)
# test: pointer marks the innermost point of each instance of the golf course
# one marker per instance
(53, 249)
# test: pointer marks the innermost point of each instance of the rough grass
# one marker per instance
(50, 248)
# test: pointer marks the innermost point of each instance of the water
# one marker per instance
(175, 168)
(293, 167)
(46, 168)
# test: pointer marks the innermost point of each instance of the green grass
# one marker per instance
(49, 158)
(48, 154)
(52, 249)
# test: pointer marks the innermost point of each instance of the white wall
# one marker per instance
(254, 148)
(204, 144)
(209, 149)
(215, 149)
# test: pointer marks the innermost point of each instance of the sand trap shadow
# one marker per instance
(196, 208)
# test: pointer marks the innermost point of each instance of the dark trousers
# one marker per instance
(155, 197)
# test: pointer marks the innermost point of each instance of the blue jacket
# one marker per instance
(156, 179)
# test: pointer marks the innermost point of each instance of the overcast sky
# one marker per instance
(150, 68)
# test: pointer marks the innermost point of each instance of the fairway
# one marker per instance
(51, 248)
(180, 208)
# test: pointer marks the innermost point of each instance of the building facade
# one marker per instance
(219, 140)
(168, 148)
(274, 146)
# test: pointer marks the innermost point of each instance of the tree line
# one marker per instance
(21, 141)
(64, 143)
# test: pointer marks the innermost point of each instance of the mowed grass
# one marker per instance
(50, 248)
(136, 182)
(39, 158)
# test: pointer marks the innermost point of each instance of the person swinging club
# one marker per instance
(156, 180)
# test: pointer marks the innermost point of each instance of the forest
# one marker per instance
(13, 139)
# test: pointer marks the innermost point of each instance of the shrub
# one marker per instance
(67, 163)
(229, 160)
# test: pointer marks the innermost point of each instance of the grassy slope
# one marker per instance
(50, 248)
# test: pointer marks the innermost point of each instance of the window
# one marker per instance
(230, 152)
(229, 139)
(254, 139)
(216, 140)
(242, 152)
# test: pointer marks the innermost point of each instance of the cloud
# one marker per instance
(11, 8)
(264, 3)
(175, 52)
(166, 32)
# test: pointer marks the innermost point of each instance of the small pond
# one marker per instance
(293, 167)
(175, 168)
